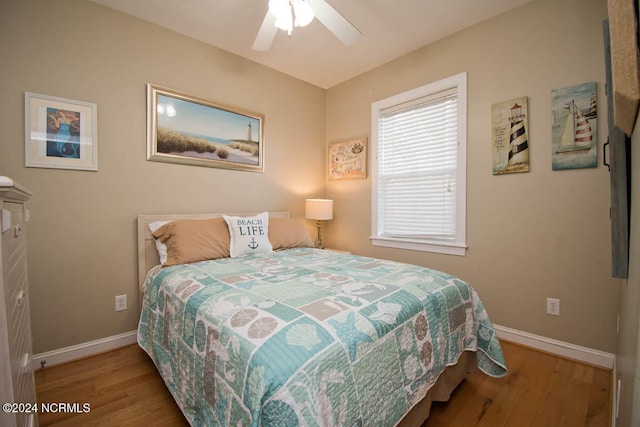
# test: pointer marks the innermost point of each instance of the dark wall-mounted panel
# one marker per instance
(620, 175)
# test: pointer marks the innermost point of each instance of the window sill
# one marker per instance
(420, 245)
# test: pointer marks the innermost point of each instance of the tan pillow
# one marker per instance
(191, 240)
(287, 233)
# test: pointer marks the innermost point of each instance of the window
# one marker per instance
(419, 168)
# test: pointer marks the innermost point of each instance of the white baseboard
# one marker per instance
(67, 354)
(582, 354)
(561, 348)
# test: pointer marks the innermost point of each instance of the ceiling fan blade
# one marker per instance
(336, 23)
(266, 34)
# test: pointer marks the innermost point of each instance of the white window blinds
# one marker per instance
(418, 174)
(417, 146)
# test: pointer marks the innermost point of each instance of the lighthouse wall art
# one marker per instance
(509, 131)
(185, 129)
(574, 127)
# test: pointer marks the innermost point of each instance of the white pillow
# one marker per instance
(161, 247)
(249, 235)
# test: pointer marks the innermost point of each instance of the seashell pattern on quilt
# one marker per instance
(307, 337)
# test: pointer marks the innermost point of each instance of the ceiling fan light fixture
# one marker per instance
(285, 22)
(280, 15)
(281, 9)
(304, 13)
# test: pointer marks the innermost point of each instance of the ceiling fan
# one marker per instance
(281, 16)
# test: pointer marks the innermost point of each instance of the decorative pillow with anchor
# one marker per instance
(249, 235)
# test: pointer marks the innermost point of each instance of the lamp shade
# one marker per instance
(281, 9)
(319, 209)
(304, 13)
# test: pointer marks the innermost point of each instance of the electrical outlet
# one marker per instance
(553, 306)
(121, 302)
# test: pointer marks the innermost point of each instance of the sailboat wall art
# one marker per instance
(574, 127)
(509, 129)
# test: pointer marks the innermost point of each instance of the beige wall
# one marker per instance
(533, 235)
(81, 236)
(627, 363)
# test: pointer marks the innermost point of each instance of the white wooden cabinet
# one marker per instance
(16, 373)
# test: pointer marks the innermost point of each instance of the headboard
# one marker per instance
(147, 253)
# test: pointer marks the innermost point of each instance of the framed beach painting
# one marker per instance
(60, 133)
(185, 129)
(574, 131)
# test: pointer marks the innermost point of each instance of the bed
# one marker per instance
(304, 336)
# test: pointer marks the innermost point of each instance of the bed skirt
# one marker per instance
(441, 390)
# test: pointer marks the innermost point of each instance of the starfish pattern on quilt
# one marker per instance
(350, 334)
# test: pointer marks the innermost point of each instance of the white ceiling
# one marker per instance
(390, 29)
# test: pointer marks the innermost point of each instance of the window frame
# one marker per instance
(458, 245)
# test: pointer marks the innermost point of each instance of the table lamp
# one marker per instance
(320, 210)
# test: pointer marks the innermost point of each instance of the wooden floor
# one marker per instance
(123, 388)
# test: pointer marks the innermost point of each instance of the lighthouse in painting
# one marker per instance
(249, 131)
(519, 147)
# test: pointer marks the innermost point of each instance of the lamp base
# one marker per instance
(319, 244)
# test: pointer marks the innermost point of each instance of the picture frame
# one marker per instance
(574, 127)
(189, 130)
(509, 134)
(60, 133)
(348, 159)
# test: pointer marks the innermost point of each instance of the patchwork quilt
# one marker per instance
(308, 337)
